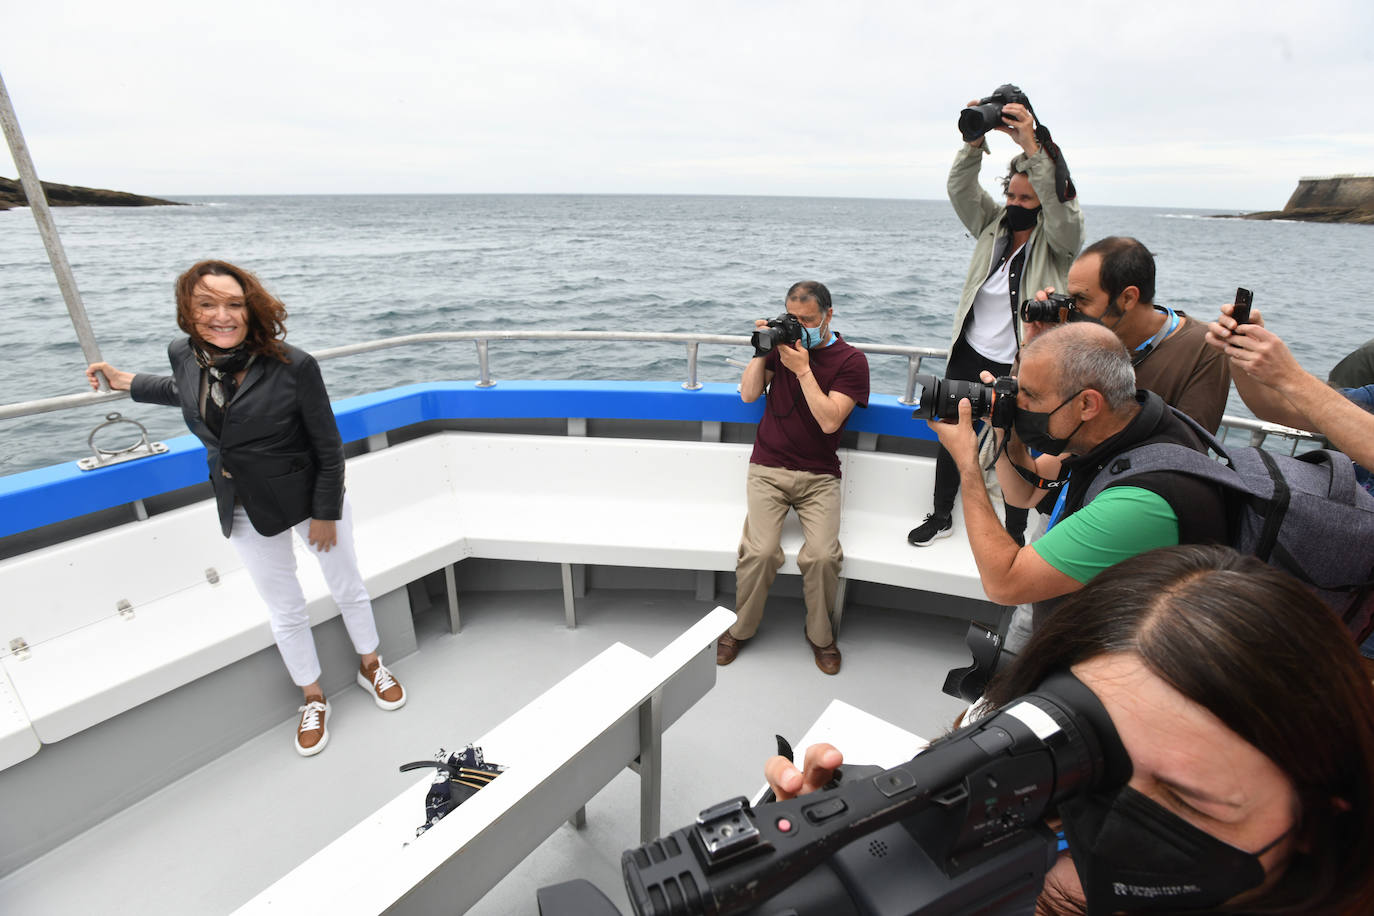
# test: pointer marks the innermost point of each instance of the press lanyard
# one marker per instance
(1058, 505)
(1148, 347)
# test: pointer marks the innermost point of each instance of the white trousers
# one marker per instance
(271, 563)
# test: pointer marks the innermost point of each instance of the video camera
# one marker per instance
(957, 829)
(938, 399)
(977, 120)
(779, 331)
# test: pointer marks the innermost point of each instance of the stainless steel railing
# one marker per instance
(9, 121)
(1258, 431)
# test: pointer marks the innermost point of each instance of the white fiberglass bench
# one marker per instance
(96, 626)
(558, 751)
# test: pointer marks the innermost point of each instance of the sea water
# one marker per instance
(355, 268)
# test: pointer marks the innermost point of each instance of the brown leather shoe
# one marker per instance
(313, 732)
(727, 648)
(827, 657)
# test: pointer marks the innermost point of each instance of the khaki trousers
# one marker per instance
(816, 498)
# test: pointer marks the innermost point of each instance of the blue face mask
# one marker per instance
(813, 337)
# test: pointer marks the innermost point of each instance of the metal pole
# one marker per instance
(483, 369)
(692, 384)
(38, 205)
(913, 366)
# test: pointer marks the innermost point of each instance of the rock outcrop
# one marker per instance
(65, 195)
(1335, 199)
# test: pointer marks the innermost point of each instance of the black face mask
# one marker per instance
(1033, 429)
(1133, 854)
(1019, 218)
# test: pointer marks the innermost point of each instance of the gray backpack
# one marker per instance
(1305, 515)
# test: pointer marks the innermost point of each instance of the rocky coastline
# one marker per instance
(66, 195)
(1333, 199)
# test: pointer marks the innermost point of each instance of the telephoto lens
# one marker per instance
(938, 398)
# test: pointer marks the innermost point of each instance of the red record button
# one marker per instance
(784, 825)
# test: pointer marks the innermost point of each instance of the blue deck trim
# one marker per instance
(53, 494)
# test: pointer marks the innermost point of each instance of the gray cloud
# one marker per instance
(1220, 105)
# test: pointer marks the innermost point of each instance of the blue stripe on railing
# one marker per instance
(53, 494)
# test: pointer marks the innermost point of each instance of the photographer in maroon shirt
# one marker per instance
(812, 384)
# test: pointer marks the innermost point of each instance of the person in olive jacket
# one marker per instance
(276, 465)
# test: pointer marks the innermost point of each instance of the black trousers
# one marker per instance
(965, 363)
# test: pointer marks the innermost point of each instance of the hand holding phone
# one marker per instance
(1241, 310)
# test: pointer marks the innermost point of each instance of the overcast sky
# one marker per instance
(1207, 103)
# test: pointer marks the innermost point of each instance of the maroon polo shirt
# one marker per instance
(789, 436)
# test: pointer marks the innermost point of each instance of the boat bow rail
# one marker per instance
(34, 499)
(42, 497)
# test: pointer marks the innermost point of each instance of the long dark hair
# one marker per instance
(1271, 661)
(266, 314)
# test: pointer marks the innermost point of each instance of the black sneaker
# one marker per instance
(932, 529)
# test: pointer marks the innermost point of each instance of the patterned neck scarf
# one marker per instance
(222, 366)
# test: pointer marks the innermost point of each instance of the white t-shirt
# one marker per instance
(989, 331)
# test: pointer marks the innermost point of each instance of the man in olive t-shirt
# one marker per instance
(1112, 282)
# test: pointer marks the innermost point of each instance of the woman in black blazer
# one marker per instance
(276, 464)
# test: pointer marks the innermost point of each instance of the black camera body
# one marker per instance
(938, 399)
(977, 120)
(780, 331)
(1058, 307)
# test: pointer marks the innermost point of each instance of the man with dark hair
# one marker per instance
(1113, 283)
(1025, 243)
(1078, 396)
(812, 385)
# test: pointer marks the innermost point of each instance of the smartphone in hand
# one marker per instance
(1241, 310)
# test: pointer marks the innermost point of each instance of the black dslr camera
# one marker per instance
(938, 399)
(780, 331)
(957, 829)
(987, 114)
(1058, 307)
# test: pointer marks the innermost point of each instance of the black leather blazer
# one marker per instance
(279, 452)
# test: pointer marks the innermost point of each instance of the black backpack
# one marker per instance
(1305, 515)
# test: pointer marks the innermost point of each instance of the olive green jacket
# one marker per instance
(1053, 244)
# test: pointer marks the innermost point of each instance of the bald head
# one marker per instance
(1086, 355)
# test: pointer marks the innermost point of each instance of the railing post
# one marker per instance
(483, 369)
(692, 384)
(38, 205)
(913, 366)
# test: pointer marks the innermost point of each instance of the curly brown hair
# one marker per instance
(266, 314)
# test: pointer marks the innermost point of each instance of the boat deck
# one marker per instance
(212, 840)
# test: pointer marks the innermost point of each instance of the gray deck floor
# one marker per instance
(212, 840)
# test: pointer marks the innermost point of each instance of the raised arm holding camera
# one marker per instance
(811, 379)
(1024, 243)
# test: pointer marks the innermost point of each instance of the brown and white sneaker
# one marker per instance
(386, 691)
(313, 732)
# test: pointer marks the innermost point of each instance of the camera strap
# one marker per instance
(1034, 479)
(1063, 182)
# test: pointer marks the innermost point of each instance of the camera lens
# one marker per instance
(976, 121)
(938, 398)
(1053, 310)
